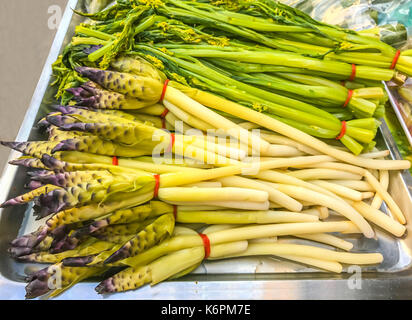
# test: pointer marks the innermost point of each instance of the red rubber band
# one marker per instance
(163, 117)
(350, 93)
(175, 211)
(163, 123)
(157, 185)
(172, 143)
(353, 74)
(164, 114)
(115, 161)
(395, 59)
(164, 90)
(342, 131)
(206, 244)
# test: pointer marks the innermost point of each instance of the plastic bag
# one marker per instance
(394, 18)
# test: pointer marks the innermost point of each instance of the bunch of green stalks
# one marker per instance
(298, 88)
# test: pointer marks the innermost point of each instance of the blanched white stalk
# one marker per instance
(323, 212)
(367, 195)
(331, 266)
(198, 152)
(226, 249)
(278, 139)
(241, 205)
(264, 240)
(243, 217)
(312, 252)
(395, 210)
(270, 230)
(181, 178)
(375, 154)
(188, 118)
(384, 181)
(199, 208)
(249, 125)
(339, 190)
(195, 108)
(354, 184)
(311, 174)
(280, 177)
(219, 227)
(172, 120)
(337, 166)
(379, 218)
(179, 194)
(204, 184)
(328, 239)
(281, 151)
(274, 195)
(336, 204)
(207, 144)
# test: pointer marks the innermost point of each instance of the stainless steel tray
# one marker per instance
(243, 278)
(396, 101)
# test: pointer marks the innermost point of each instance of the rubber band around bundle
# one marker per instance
(172, 143)
(350, 93)
(342, 131)
(353, 74)
(157, 185)
(395, 59)
(164, 90)
(163, 117)
(175, 211)
(206, 244)
(115, 161)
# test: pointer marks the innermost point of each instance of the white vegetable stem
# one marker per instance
(384, 181)
(336, 204)
(186, 117)
(328, 239)
(242, 217)
(241, 205)
(312, 252)
(311, 174)
(379, 218)
(274, 195)
(191, 106)
(331, 266)
(217, 194)
(196, 175)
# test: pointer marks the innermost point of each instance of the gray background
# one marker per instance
(25, 41)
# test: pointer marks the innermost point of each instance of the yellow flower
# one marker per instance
(156, 62)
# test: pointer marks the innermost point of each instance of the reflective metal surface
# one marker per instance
(395, 101)
(245, 278)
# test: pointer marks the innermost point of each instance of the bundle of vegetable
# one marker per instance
(268, 77)
(100, 220)
(111, 183)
